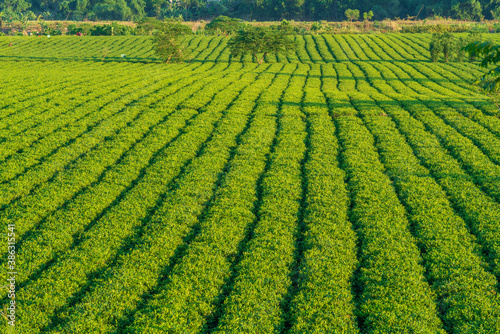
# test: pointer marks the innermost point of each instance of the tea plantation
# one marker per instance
(350, 187)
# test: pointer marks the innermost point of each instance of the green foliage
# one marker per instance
(316, 27)
(451, 47)
(259, 42)
(495, 12)
(490, 54)
(285, 27)
(435, 48)
(83, 28)
(460, 44)
(367, 16)
(113, 29)
(352, 14)
(438, 28)
(118, 10)
(167, 41)
(148, 26)
(53, 31)
(469, 10)
(448, 45)
(14, 7)
(225, 25)
(473, 37)
(261, 10)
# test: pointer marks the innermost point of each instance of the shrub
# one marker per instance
(167, 42)
(438, 28)
(453, 49)
(316, 27)
(53, 32)
(83, 28)
(113, 29)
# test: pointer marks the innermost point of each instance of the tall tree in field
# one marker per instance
(225, 24)
(259, 42)
(490, 53)
(168, 41)
(352, 14)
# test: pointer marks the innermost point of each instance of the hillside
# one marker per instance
(351, 187)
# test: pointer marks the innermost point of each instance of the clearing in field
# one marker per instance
(350, 187)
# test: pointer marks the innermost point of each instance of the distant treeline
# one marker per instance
(259, 10)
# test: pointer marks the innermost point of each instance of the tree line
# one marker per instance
(259, 10)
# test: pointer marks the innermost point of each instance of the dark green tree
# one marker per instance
(473, 37)
(259, 42)
(119, 9)
(448, 41)
(492, 9)
(444, 43)
(469, 10)
(460, 45)
(435, 47)
(490, 53)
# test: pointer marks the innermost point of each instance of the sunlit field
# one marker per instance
(350, 187)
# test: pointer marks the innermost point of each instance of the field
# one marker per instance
(351, 187)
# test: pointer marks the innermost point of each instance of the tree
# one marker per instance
(167, 41)
(289, 8)
(367, 16)
(493, 8)
(473, 37)
(469, 10)
(436, 47)
(24, 18)
(285, 27)
(459, 46)
(148, 25)
(444, 43)
(352, 14)
(260, 41)
(495, 12)
(448, 45)
(14, 7)
(225, 24)
(2, 16)
(113, 10)
(490, 52)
